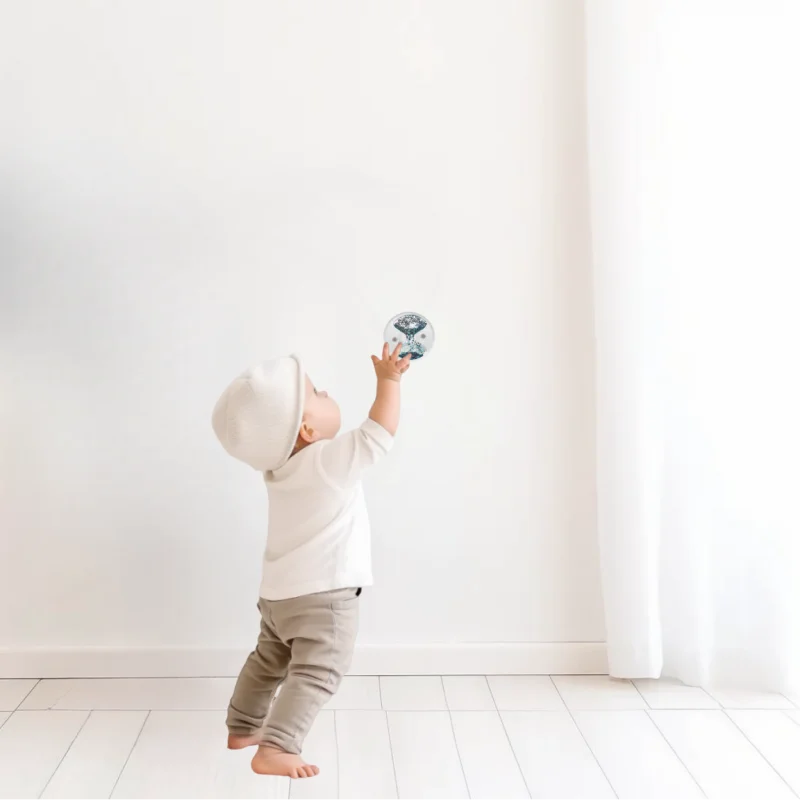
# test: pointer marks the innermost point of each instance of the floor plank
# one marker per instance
(32, 743)
(413, 693)
(670, 694)
(490, 766)
(320, 749)
(13, 692)
(718, 755)
(366, 769)
(132, 694)
(598, 693)
(425, 755)
(635, 757)
(357, 693)
(468, 693)
(4, 715)
(740, 699)
(525, 693)
(97, 756)
(555, 760)
(182, 754)
(776, 737)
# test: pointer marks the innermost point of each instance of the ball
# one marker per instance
(412, 331)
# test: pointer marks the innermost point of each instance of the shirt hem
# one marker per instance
(351, 581)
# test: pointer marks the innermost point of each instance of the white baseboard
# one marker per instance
(530, 658)
(533, 658)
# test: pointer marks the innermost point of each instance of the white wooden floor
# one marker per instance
(501, 737)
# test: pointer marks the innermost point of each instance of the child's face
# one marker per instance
(321, 416)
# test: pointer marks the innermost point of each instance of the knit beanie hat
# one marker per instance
(258, 417)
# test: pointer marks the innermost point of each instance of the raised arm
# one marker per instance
(344, 458)
(389, 370)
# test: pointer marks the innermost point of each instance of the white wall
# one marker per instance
(188, 187)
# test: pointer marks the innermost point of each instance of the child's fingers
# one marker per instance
(375, 359)
(397, 351)
(385, 350)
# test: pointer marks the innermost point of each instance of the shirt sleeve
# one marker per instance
(344, 458)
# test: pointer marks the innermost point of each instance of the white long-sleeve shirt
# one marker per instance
(319, 537)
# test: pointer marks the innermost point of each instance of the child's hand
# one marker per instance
(389, 367)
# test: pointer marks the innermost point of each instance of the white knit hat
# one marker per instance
(258, 417)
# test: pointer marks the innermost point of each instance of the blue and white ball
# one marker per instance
(413, 332)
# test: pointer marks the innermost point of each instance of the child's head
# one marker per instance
(271, 412)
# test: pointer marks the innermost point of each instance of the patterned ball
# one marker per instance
(411, 330)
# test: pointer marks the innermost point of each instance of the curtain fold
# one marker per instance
(693, 130)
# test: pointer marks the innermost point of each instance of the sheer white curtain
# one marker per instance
(694, 147)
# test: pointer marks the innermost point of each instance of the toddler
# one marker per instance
(318, 547)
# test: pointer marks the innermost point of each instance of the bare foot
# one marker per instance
(239, 742)
(272, 761)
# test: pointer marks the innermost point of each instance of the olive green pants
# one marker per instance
(305, 647)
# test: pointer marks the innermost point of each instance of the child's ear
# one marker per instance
(307, 433)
